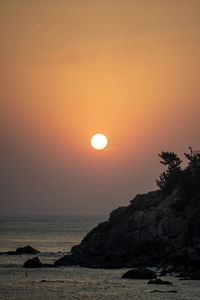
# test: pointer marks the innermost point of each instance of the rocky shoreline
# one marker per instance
(152, 230)
(157, 229)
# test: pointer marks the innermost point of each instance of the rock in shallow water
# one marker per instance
(140, 274)
(35, 263)
(26, 250)
(22, 250)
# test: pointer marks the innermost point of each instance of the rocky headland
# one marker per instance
(151, 231)
(160, 228)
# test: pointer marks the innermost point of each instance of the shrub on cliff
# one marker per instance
(172, 177)
(192, 172)
(187, 180)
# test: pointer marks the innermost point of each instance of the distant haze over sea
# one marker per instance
(70, 69)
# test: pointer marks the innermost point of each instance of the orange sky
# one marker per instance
(129, 69)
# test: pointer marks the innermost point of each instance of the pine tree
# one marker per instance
(192, 172)
(170, 179)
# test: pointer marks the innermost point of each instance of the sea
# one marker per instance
(54, 236)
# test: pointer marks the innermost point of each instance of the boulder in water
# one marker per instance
(22, 250)
(33, 263)
(140, 274)
(26, 250)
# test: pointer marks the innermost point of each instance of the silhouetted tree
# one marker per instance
(192, 172)
(194, 158)
(171, 178)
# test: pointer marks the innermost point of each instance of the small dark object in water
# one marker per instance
(159, 281)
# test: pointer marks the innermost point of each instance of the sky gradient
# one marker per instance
(69, 69)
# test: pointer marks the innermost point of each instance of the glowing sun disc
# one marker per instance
(99, 141)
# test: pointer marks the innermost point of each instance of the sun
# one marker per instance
(99, 141)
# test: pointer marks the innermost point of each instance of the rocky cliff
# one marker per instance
(153, 230)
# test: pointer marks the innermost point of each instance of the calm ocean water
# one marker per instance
(54, 236)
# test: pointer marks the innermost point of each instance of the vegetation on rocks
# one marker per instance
(159, 228)
(186, 180)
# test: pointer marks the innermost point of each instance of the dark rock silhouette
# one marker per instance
(159, 281)
(35, 263)
(26, 250)
(153, 230)
(140, 274)
(22, 250)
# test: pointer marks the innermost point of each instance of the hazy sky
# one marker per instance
(71, 68)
